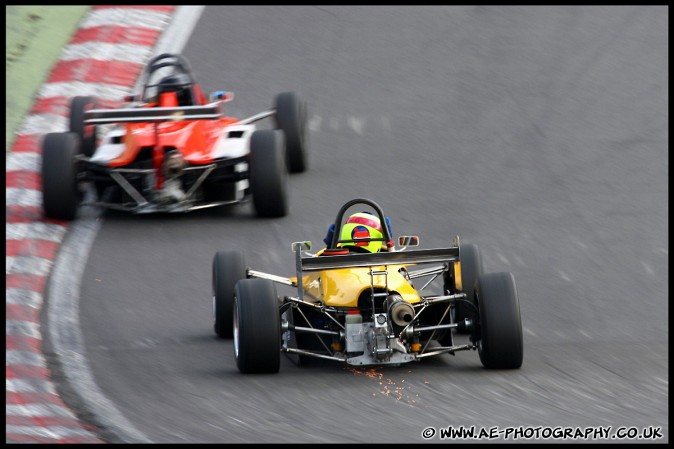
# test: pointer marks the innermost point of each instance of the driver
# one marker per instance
(181, 85)
(358, 226)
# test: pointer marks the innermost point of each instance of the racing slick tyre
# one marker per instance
(228, 269)
(86, 133)
(257, 327)
(500, 324)
(268, 173)
(61, 195)
(291, 117)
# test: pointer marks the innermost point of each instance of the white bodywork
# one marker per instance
(108, 150)
(227, 146)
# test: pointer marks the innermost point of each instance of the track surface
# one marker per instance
(539, 133)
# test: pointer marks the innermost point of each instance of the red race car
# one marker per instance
(172, 150)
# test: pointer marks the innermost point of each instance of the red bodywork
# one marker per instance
(193, 138)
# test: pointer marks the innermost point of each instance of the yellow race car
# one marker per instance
(362, 300)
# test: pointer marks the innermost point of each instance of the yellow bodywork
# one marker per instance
(342, 287)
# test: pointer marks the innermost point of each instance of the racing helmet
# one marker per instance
(179, 83)
(363, 225)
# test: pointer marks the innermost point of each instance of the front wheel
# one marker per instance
(228, 269)
(291, 117)
(257, 327)
(500, 325)
(61, 195)
(268, 173)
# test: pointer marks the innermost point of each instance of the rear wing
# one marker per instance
(376, 259)
(318, 263)
(210, 111)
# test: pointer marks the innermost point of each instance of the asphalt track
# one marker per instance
(539, 133)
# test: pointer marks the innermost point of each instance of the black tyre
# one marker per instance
(472, 268)
(61, 195)
(257, 327)
(500, 325)
(86, 133)
(228, 269)
(291, 117)
(268, 173)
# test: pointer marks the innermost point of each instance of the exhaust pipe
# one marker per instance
(400, 312)
(174, 164)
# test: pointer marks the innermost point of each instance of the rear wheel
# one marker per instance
(61, 195)
(500, 325)
(86, 133)
(291, 117)
(257, 327)
(228, 269)
(268, 173)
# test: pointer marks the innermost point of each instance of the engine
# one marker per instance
(376, 340)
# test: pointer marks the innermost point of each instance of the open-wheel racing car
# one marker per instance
(361, 300)
(171, 150)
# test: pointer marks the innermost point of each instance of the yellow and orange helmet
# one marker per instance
(363, 225)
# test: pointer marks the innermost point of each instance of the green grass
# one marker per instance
(35, 38)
